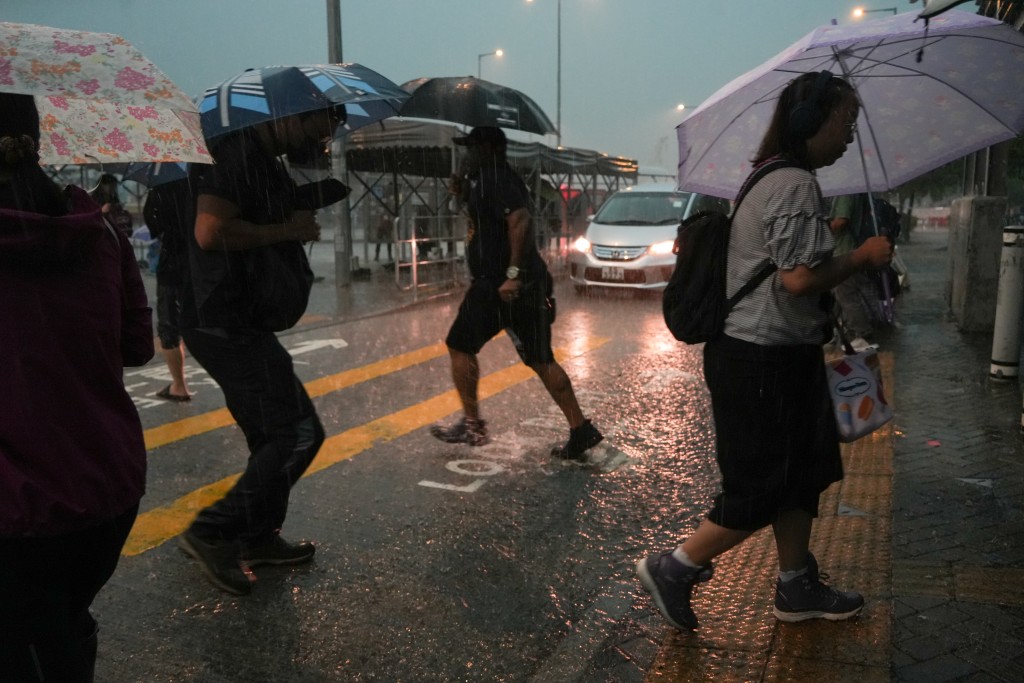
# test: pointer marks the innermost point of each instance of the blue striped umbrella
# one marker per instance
(259, 95)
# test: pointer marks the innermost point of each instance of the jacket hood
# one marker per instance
(54, 242)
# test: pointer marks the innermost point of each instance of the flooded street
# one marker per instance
(435, 562)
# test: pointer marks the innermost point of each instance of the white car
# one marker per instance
(628, 243)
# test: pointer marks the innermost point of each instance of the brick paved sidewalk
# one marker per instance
(958, 498)
(927, 524)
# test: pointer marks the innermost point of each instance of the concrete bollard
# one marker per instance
(1009, 307)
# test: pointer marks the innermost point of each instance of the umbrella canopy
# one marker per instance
(159, 173)
(99, 98)
(474, 102)
(965, 93)
(259, 95)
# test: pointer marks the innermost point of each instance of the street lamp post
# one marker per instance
(859, 12)
(558, 110)
(558, 81)
(480, 60)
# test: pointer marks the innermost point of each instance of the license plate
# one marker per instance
(613, 274)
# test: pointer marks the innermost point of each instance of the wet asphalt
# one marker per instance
(434, 562)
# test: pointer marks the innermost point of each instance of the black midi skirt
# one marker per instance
(775, 432)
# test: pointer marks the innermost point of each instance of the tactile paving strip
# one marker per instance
(740, 640)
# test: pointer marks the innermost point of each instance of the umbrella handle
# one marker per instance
(885, 304)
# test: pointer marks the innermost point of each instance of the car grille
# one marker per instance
(617, 253)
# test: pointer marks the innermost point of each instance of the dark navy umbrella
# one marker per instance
(259, 95)
(152, 174)
(474, 102)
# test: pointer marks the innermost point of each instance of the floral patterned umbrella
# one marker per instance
(928, 97)
(99, 98)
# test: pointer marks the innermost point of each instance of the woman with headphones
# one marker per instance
(776, 438)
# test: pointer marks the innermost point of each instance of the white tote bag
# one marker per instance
(855, 384)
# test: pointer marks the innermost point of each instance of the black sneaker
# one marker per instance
(670, 583)
(808, 597)
(467, 431)
(219, 561)
(581, 438)
(279, 551)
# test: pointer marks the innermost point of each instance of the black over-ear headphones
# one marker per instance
(807, 117)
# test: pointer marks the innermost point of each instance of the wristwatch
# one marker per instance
(512, 273)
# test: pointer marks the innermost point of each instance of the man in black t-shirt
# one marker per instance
(511, 290)
(247, 202)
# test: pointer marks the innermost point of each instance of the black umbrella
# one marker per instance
(474, 102)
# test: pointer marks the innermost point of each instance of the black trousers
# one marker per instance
(46, 587)
(280, 425)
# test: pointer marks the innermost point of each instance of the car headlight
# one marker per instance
(661, 248)
(581, 245)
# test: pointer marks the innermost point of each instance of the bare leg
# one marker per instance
(466, 376)
(560, 387)
(176, 366)
(711, 540)
(792, 534)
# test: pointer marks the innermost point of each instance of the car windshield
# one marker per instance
(643, 208)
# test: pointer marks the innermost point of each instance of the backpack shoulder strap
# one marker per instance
(753, 179)
(759, 172)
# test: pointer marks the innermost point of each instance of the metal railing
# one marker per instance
(429, 252)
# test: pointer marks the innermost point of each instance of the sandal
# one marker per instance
(166, 394)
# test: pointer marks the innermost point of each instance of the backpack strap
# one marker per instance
(773, 164)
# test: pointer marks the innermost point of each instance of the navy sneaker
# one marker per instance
(580, 440)
(808, 597)
(670, 583)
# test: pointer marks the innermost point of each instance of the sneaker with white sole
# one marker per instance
(467, 430)
(809, 597)
(670, 583)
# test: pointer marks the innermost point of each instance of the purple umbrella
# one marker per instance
(965, 93)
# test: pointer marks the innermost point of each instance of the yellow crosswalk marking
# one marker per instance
(156, 526)
(215, 419)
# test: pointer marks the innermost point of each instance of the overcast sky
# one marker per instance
(626, 64)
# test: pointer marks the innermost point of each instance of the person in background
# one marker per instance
(857, 294)
(106, 195)
(383, 234)
(775, 433)
(511, 290)
(72, 455)
(246, 202)
(167, 210)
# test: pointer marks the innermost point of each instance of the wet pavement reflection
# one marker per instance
(440, 562)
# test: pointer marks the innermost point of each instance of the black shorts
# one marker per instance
(775, 432)
(168, 313)
(527, 320)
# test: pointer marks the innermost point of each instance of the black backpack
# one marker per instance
(694, 303)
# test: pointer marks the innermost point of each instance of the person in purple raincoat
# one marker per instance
(73, 314)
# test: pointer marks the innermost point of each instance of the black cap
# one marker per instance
(483, 135)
